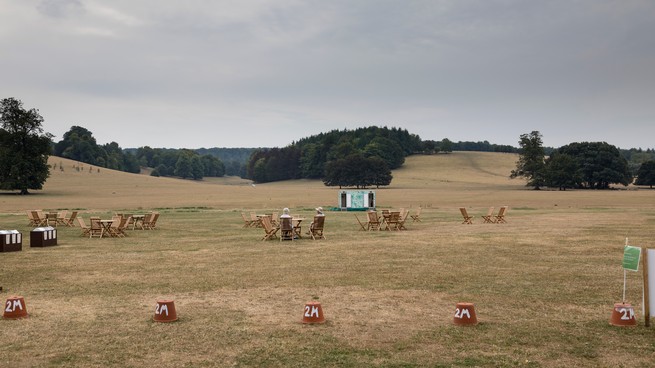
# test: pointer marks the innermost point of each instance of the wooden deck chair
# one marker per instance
(362, 226)
(86, 231)
(417, 216)
(316, 227)
(246, 221)
(70, 221)
(270, 232)
(391, 222)
(286, 228)
(39, 219)
(125, 224)
(96, 228)
(146, 220)
(275, 219)
(130, 220)
(401, 221)
(33, 218)
(500, 217)
(489, 218)
(467, 219)
(256, 220)
(152, 224)
(117, 228)
(61, 217)
(373, 220)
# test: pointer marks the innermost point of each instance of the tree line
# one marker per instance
(183, 163)
(334, 156)
(353, 158)
(582, 165)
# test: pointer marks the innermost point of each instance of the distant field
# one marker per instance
(543, 284)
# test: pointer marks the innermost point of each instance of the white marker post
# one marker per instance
(648, 260)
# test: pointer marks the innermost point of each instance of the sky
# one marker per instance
(265, 73)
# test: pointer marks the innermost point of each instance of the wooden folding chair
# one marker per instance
(402, 219)
(467, 219)
(246, 221)
(275, 219)
(86, 231)
(500, 217)
(117, 228)
(257, 222)
(489, 217)
(33, 218)
(391, 222)
(70, 221)
(150, 222)
(373, 220)
(363, 226)
(316, 227)
(270, 232)
(96, 227)
(61, 218)
(417, 216)
(38, 219)
(286, 228)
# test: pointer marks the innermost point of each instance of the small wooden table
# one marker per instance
(137, 221)
(105, 227)
(51, 219)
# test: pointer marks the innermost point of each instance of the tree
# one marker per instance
(390, 151)
(531, 160)
(24, 148)
(79, 144)
(646, 174)
(446, 145)
(561, 171)
(213, 166)
(599, 164)
(312, 160)
(183, 166)
(358, 171)
(429, 147)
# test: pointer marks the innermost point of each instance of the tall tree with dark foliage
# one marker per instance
(24, 147)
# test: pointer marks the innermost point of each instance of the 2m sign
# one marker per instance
(460, 313)
(311, 311)
(161, 309)
(627, 314)
(13, 305)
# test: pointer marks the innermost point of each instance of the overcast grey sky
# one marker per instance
(251, 73)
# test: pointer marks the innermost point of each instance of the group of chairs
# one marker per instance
(389, 220)
(38, 218)
(285, 226)
(254, 220)
(120, 223)
(96, 230)
(489, 218)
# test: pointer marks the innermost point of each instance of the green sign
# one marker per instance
(631, 257)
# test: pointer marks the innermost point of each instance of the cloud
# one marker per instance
(437, 67)
(60, 8)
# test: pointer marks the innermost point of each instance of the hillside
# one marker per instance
(452, 180)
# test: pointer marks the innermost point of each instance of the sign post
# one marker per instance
(648, 261)
(631, 256)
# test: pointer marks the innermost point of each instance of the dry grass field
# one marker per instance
(543, 284)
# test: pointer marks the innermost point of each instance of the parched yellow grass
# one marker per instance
(543, 284)
(471, 179)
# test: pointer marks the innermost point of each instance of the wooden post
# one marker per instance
(644, 260)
